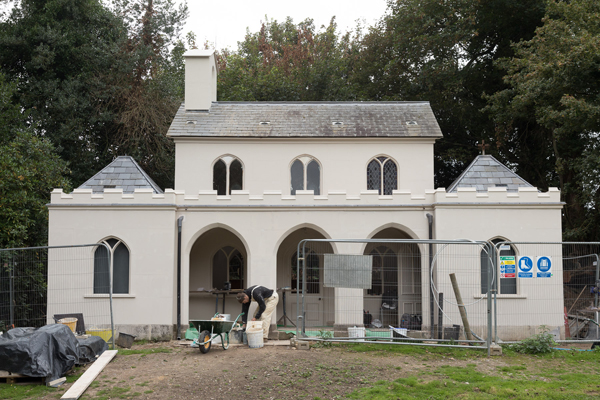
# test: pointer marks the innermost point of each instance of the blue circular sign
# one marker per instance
(544, 264)
(525, 264)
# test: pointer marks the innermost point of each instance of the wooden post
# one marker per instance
(461, 307)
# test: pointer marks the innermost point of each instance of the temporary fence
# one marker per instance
(547, 288)
(57, 284)
(425, 292)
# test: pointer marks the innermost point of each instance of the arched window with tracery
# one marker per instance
(384, 278)
(508, 281)
(305, 174)
(313, 272)
(228, 266)
(382, 175)
(119, 253)
(228, 175)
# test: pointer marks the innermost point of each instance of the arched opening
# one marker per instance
(396, 278)
(319, 300)
(217, 257)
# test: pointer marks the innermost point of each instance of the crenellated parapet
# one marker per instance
(241, 198)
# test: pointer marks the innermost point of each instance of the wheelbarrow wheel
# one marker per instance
(204, 336)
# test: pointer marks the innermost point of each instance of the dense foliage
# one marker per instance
(550, 114)
(86, 81)
(29, 170)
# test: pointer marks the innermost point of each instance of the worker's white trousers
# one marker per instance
(271, 305)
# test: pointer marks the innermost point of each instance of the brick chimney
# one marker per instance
(200, 79)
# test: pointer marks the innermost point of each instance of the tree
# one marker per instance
(554, 84)
(444, 52)
(287, 62)
(61, 53)
(29, 170)
(151, 90)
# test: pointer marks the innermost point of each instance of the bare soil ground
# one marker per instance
(272, 372)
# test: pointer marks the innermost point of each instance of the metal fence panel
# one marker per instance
(553, 288)
(410, 289)
(40, 285)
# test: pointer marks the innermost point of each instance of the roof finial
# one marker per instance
(483, 147)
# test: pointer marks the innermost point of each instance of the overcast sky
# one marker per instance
(224, 23)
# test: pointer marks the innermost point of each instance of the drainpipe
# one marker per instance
(179, 223)
(430, 221)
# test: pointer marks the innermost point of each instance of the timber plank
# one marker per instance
(88, 376)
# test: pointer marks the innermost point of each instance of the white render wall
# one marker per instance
(267, 162)
(147, 223)
(150, 235)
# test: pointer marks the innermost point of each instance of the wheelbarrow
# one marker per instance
(209, 330)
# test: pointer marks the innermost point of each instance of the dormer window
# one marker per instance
(305, 175)
(228, 175)
(382, 175)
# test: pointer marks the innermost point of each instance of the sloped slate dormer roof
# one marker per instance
(308, 119)
(485, 172)
(123, 173)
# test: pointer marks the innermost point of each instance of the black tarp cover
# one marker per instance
(50, 351)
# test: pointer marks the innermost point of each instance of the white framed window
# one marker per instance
(228, 175)
(119, 254)
(305, 174)
(228, 266)
(382, 175)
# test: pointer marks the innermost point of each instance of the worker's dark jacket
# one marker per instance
(260, 294)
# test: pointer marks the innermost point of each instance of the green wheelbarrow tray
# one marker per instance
(208, 330)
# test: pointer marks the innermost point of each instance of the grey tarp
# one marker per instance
(48, 352)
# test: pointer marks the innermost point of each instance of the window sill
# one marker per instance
(114, 296)
(502, 296)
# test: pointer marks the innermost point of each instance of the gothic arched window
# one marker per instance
(228, 175)
(305, 174)
(508, 282)
(228, 266)
(313, 272)
(382, 175)
(120, 267)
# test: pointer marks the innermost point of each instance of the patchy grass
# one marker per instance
(358, 371)
(144, 352)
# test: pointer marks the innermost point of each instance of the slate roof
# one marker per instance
(308, 119)
(485, 172)
(123, 173)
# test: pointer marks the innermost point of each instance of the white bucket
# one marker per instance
(254, 325)
(357, 333)
(255, 339)
(226, 317)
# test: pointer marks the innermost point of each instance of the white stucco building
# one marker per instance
(252, 179)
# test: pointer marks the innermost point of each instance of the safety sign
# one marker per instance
(525, 267)
(507, 267)
(544, 267)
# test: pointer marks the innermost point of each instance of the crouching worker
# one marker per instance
(266, 299)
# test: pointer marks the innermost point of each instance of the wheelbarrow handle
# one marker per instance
(238, 317)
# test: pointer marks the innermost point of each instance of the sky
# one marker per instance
(224, 23)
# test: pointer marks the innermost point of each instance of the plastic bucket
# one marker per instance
(226, 317)
(70, 322)
(255, 339)
(254, 325)
(357, 333)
